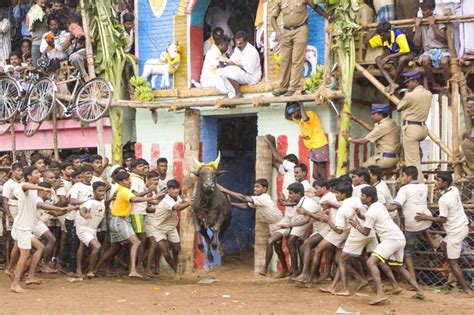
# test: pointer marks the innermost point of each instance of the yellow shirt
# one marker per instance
(400, 40)
(312, 131)
(122, 205)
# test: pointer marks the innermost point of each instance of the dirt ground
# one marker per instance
(237, 292)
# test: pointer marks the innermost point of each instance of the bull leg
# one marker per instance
(198, 230)
(210, 258)
(223, 226)
(216, 231)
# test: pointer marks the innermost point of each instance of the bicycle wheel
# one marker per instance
(30, 127)
(9, 96)
(93, 100)
(4, 127)
(41, 100)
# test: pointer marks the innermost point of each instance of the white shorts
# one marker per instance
(272, 228)
(14, 212)
(390, 251)
(337, 239)
(300, 231)
(23, 238)
(86, 236)
(354, 245)
(286, 231)
(323, 232)
(170, 236)
(454, 240)
(40, 229)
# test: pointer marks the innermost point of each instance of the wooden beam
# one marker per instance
(263, 169)
(395, 100)
(439, 20)
(258, 101)
(192, 126)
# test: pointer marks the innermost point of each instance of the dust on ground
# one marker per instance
(237, 292)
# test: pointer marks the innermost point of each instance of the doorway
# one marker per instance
(235, 138)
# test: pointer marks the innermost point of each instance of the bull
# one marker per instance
(211, 208)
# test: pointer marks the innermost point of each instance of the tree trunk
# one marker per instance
(263, 169)
(192, 126)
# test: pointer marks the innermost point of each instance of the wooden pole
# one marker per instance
(439, 19)
(91, 70)
(455, 70)
(55, 134)
(13, 133)
(192, 126)
(395, 100)
(263, 169)
(320, 97)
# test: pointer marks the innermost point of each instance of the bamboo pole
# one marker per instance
(438, 19)
(455, 70)
(319, 96)
(55, 134)
(13, 133)
(192, 123)
(91, 70)
(395, 100)
(263, 169)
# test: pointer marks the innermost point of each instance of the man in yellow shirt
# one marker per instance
(396, 47)
(313, 135)
(120, 228)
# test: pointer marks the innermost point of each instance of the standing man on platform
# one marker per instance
(293, 40)
(415, 106)
(384, 134)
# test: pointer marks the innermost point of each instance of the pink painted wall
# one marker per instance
(70, 135)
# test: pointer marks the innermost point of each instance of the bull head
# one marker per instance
(207, 173)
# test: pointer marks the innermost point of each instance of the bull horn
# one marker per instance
(197, 164)
(218, 160)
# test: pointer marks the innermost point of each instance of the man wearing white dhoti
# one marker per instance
(243, 68)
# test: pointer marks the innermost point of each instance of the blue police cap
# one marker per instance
(380, 108)
(411, 75)
(293, 108)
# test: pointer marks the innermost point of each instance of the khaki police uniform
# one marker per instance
(294, 40)
(386, 137)
(415, 106)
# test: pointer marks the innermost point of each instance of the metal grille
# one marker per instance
(431, 266)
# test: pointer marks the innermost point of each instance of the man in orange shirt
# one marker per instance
(313, 136)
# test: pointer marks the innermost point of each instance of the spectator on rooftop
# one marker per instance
(37, 23)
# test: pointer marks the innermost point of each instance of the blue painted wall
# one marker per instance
(154, 33)
(316, 33)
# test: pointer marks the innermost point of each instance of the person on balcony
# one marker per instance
(396, 47)
(433, 40)
(214, 56)
(293, 41)
(242, 68)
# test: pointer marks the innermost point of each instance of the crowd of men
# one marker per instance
(48, 29)
(66, 217)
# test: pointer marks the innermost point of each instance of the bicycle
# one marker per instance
(89, 100)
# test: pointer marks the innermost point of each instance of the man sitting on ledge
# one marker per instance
(243, 68)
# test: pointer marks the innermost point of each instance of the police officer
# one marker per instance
(293, 40)
(415, 107)
(384, 134)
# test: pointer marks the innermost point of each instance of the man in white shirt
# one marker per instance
(214, 56)
(166, 220)
(389, 251)
(163, 175)
(265, 207)
(98, 164)
(139, 189)
(455, 222)
(89, 218)
(243, 68)
(55, 42)
(79, 193)
(22, 232)
(412, 198)
(10, 204)
(360, 179)
(384, 195)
